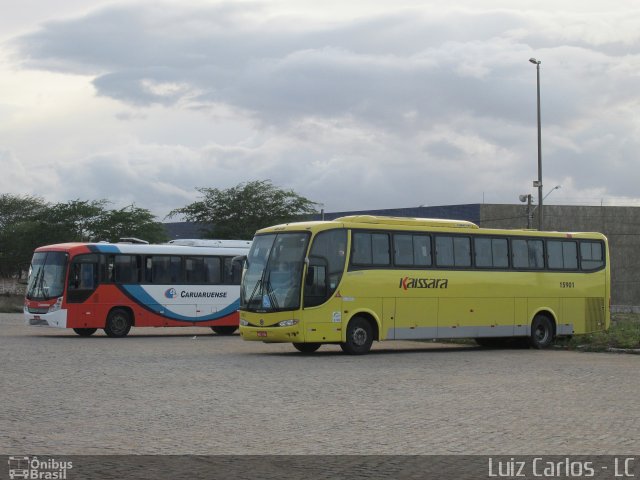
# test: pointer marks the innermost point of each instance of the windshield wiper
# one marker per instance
(253, 293)
(37, 283)
(273, 301)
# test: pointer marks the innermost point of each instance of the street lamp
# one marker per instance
(538, 183)
(551, 191)
(530, 211)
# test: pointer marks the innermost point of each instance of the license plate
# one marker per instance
(262, 334)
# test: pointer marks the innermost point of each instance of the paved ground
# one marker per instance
(178, 391)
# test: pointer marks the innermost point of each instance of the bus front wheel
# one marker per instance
(307, 347)
(85, 332)
(541, 332)
(224, 330)
(359, 337)
(118, 323)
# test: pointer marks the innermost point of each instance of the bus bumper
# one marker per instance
(272, 334)
(56, 319)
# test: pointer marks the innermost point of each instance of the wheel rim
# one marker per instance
(118, 323)
(359, 336)
(541, 334)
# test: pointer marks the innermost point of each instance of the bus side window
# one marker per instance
(83, 274)
(194, 270)
(412, 250)
(491, 252)
(175, 269)
(148, 269)
(161, 269)
(232, 272)
(562, 255)
(126, 269)
(212, 270)
(109, 272)
(370, 249)
(453, 251)
(591, 257)
(83, 277)
(527, 254)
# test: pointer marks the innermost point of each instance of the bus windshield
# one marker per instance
(273, 276)
(46, 275)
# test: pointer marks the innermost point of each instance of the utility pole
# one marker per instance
(539, 182)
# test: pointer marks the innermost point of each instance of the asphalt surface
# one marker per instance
(188, 391)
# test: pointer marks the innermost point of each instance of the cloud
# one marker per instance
(424, 105)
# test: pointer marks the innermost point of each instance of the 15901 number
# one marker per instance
(567, 285)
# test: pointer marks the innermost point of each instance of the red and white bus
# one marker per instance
(116, 286)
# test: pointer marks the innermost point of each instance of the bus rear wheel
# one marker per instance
(85, 332)
(224, 330)
(541, 332)
(118, 323)
(359, 337)
(307, 347)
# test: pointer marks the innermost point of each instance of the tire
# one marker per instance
(224, 330)
(85, 332)
(359, 337)
(542, 332)
(307, 347)
(118, 323)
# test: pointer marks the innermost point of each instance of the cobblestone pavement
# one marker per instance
(187, 391)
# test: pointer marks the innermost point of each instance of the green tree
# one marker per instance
(16, 208)
(75, 220)
(28, 222)
(130, 221)
(239, 211)
(19, 234)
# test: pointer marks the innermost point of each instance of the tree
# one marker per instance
(18, 231)
(28, 222)
(239, 211)
(16, 208)
(75, 220)
(130, 221)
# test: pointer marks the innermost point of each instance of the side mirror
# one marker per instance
(239, 259)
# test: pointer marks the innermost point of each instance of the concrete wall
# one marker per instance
(621, 225)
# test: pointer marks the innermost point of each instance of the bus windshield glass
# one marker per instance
(273, 276)
(46, 275)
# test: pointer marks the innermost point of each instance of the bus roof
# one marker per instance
(407, 221)
(150, 249)
(199, 242)
(419, 224)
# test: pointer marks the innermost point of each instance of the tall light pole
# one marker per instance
(539, 182)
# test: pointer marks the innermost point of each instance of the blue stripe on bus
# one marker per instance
(142, 297)
(104, 248)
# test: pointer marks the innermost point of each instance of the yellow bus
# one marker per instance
(362, 278)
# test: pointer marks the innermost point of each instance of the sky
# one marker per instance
(365, 104)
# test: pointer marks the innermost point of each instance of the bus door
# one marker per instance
(325, 267)
(81, 285)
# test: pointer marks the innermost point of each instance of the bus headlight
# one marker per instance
(56, 306)
(244, 323)
(288, 323)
